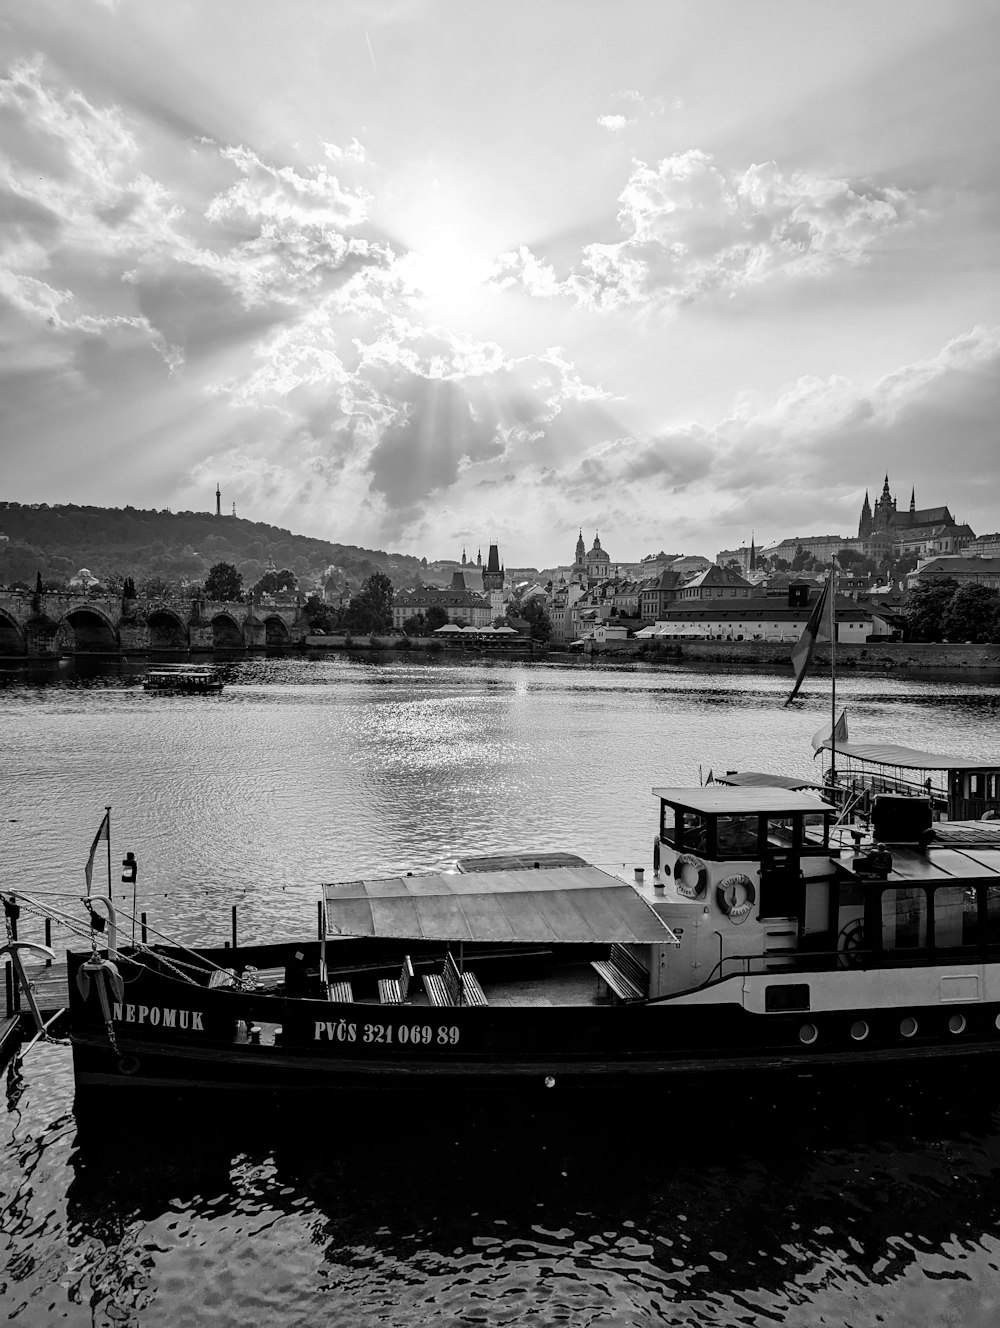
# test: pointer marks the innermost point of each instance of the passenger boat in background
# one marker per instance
(754, 946)
(182, 678)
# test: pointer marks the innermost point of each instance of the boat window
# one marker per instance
(695, 832)
(668, 823)
(956, 916)
(815, 829)
(977, 782)
(737, 836)
(792, 996)
(992, 782)
(904, 917)
(781, 831)
(993, 915)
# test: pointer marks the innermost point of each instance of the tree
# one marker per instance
(371, 607)
(800, 559)
(273, 583)
(537, 618)
(971, 614)
(415, 626)
(224, 583)
(321, 617)
(435, 617)
(926, 607)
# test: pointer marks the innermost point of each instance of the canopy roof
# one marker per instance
(907, 758)
(716, 799)
(542, 907)
(758, 779)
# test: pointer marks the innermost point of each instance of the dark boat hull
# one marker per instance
(171, 1034)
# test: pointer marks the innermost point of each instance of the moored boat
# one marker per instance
(193, 678)
(754, 945)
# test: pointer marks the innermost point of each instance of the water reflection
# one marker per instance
(589, 1209)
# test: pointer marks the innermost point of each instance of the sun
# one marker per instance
(445, 276)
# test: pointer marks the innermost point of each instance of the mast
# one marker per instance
(833, 671)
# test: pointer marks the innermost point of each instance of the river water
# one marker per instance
(878, 1205)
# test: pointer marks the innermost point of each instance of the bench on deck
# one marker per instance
(342, 992)
(452, 987)
(394, 991)
(624, 976)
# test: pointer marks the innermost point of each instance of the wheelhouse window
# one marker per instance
(737, 836)
(694, 832)
(815, 830)
(956, 916)
(993, 915)
(668, 823)
(904, 918)
(780, 832)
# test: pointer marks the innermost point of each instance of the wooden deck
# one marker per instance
(50, 985)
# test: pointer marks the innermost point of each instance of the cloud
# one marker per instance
(616, 123)
(691, 229)
(282, 194)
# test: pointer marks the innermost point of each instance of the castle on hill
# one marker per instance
(920, 530)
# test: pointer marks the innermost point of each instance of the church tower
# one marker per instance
(218, 499)
(865, 524)
(493, 573)
(913, 499)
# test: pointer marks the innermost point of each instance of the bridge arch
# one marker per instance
(226, 633)
(167, 630)
(276, 632)
(12, 638)
(87, 631)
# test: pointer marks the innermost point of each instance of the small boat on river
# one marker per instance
(758, 943)
(182, 678)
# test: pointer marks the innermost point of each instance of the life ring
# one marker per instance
(690, 876)
(736, 896)
(128, 1065)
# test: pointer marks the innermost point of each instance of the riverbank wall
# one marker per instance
(909, 655)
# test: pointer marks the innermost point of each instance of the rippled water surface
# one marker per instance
(864, 1205)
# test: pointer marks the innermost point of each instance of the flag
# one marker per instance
(103, 833)
(710, 779)
(838, 732)
(803, 652)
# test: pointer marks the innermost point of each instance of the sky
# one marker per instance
(423, 276)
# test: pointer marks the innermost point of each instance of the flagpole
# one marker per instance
(833, 671)
(107, 809)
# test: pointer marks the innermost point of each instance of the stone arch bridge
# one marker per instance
(38, 625)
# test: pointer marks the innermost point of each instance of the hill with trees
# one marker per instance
(158, 548)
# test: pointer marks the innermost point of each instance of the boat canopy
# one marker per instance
(758, 779)
(539, 907)
(722, 799)
(907, 758)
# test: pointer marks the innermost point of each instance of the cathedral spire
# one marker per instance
(913, 499)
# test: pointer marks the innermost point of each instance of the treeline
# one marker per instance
(945, 611)
(177, 548)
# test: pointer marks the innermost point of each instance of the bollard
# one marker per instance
(639, 873)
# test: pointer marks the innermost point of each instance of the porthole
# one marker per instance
(997, 1021)
(808, 1033)
(859, 1030)
(956, 1024)
(908, 1026)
